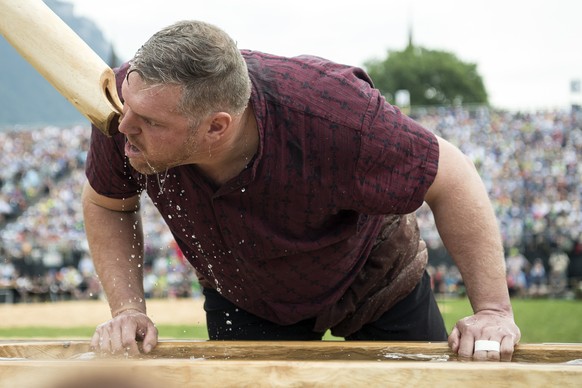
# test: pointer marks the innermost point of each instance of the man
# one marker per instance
(290, 185)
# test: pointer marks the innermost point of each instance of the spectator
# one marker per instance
(538, 279)
(559, 266)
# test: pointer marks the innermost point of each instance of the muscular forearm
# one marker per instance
(471, 236)
(468, 227)
(116, 242)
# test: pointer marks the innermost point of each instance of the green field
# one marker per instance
(541, 320)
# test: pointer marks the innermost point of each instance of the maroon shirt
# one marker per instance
(296, 234)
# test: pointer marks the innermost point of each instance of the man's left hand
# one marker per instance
(477, 336)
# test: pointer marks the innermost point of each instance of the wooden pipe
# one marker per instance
(63, 58)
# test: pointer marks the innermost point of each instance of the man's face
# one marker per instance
(158, 134)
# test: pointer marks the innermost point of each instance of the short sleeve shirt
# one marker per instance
(288, 236)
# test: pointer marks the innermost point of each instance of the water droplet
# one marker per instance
(243, 190)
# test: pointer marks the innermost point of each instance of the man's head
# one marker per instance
(185, 92)
(203, 60)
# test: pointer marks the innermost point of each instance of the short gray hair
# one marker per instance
(203, 60)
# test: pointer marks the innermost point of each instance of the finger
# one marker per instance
(484, 355)
(454, 340)
(94, 344)
(466, 345)
(128, 338)
(480, 355)
(493, 355)
(468, 329)
(115, 337)
(150, 340)
(507, 348)
(104, 340)
(487, 350)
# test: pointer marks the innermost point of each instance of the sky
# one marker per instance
(527, 51)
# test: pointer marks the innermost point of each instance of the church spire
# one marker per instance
(410, 41)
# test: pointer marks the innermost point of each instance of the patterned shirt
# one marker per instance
(320, 223)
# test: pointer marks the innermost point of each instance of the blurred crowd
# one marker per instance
(532, 168)
(525, 278)
(530, 163)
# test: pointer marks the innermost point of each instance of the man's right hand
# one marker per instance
(119, 335)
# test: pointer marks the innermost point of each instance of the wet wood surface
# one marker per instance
(293, 351)
(55, 364)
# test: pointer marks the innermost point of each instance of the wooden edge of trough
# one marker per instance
(179, 373)
(173, 364)
(293, 350)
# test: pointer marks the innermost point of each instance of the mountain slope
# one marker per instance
(26, 98)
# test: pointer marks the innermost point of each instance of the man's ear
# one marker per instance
(219, 123)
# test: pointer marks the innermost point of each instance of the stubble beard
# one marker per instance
(149, 166)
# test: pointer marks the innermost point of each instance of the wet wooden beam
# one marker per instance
(294, 350)
(173, 364)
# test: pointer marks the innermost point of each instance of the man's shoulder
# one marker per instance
(312, 85)
(309, 67)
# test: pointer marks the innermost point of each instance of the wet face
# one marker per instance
(158, 135)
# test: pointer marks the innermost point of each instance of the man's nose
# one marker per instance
(128, 123)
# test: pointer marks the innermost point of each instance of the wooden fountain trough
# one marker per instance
(70, 364)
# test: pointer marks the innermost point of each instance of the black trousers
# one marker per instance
(415, 318)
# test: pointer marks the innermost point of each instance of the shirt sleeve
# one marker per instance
(398, 161)
(107, 169)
